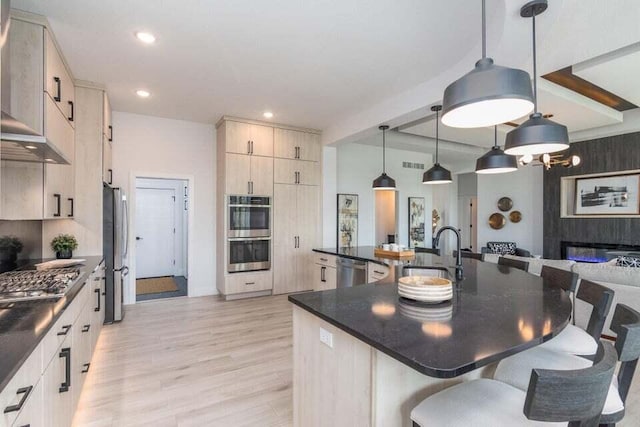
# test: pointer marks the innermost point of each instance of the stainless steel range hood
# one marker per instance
(19, 141)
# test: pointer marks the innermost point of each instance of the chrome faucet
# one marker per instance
(436, 242)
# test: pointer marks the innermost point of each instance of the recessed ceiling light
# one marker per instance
(48, 160)
(31, 147)
(267, 114)
(144, 37)
(143, 93)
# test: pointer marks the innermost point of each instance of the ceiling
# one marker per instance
(308, 62)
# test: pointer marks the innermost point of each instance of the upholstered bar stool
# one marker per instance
(575, 340)
(515, 263)
(564, 279)
(552, 397)
(516, 370)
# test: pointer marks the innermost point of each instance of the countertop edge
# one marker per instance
(82, 281)
(357, 258)
(434, 373)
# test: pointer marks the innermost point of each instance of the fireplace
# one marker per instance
(595, 252)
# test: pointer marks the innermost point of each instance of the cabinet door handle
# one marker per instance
(25, 392)
(58, 97)
(378, 272)
(57, 197)
(110, 133)
(249, 147)
(322, 274)
(65, 330)
(324, 260)
(66, 354)
(86, 328)
(86, 368)
(252, 147)
(248, 187)
(110, 176)
(97, 291)
(251, 187)
(72, 111)
(250, 283)
(70, 199)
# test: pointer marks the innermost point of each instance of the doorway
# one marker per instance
(161, 226)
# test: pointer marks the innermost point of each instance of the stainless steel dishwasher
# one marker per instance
(351, 272)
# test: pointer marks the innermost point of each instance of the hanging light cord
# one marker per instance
(437, 123)
(535, 67)
(484, 30)
(384, 154)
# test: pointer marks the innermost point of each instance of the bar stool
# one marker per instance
(515, 263)
(516, 370)
(468, 254)
(564, 279)
(575, 396)
(575, 340)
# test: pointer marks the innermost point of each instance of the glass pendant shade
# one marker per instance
(437, 175)
(537, 136)
(384, 181)
(486, 96)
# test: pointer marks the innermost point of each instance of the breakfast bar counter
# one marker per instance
(382, 354)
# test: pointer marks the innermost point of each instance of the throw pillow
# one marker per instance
(628, 261)
(502, 248)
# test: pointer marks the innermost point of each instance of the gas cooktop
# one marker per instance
(31, 284)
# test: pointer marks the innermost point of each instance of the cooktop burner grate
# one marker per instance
(30, 284)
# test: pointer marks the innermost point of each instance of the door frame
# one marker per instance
(130, 288)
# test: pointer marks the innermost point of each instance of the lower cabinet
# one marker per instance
(46, 389)
(376, 272)
(239, 283)
(325, 273)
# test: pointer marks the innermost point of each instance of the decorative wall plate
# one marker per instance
(505, 204)
(515, 216)
(497, 221)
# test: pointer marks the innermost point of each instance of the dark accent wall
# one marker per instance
(611, 154)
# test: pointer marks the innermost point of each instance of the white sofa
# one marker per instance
(624, 281)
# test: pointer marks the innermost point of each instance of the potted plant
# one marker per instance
(10, 247)
(64, 245)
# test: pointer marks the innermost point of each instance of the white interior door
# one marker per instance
(155, 225)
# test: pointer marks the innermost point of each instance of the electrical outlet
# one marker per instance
(326, 337)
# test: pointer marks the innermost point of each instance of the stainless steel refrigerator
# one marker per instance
(116, 241)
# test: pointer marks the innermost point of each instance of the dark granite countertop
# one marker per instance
(496, 311)
(23, 324)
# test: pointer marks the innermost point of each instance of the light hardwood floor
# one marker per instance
(193, 362)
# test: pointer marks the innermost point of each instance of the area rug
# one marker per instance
(155, 285)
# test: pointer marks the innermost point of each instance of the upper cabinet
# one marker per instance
(107, 125)
(247, 138)
(297, 145)
(58, 83)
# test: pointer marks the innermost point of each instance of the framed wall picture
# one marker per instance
(416, 222)
(347, 221)
(608, 195)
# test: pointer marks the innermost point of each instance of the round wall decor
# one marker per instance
(515, 216)
(505, 204)
(497, 221)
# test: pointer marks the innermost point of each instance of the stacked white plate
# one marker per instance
(427, 289)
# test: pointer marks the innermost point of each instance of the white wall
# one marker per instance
(525, 188)
(445, 200)
(148, 146)
(357, 166)
(329, 198)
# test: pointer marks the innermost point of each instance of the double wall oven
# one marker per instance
(248, 233)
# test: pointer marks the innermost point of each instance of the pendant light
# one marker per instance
(489, 94)
(496, 161)
(537, 135)
(384, 181)
(437, 174)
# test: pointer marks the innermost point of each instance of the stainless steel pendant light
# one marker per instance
(437, 174)
(489, 94)
(384, 181)
(537, 135)
(496, 161)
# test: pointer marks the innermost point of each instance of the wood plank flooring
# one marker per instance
(193, 362)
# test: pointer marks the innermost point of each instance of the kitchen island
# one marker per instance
(379, 356)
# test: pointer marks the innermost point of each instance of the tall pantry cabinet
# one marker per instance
(282, 162)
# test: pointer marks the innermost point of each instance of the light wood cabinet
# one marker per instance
(324, 277)
(296, 172)
(239, 283)
(31, 413)
(293, 144)
(376, 272)
(21, 189)
(107, 162)
(58, 83)
(295, 233)
(56, 386)
(107, 124)
(249, 175)
(247, 138)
